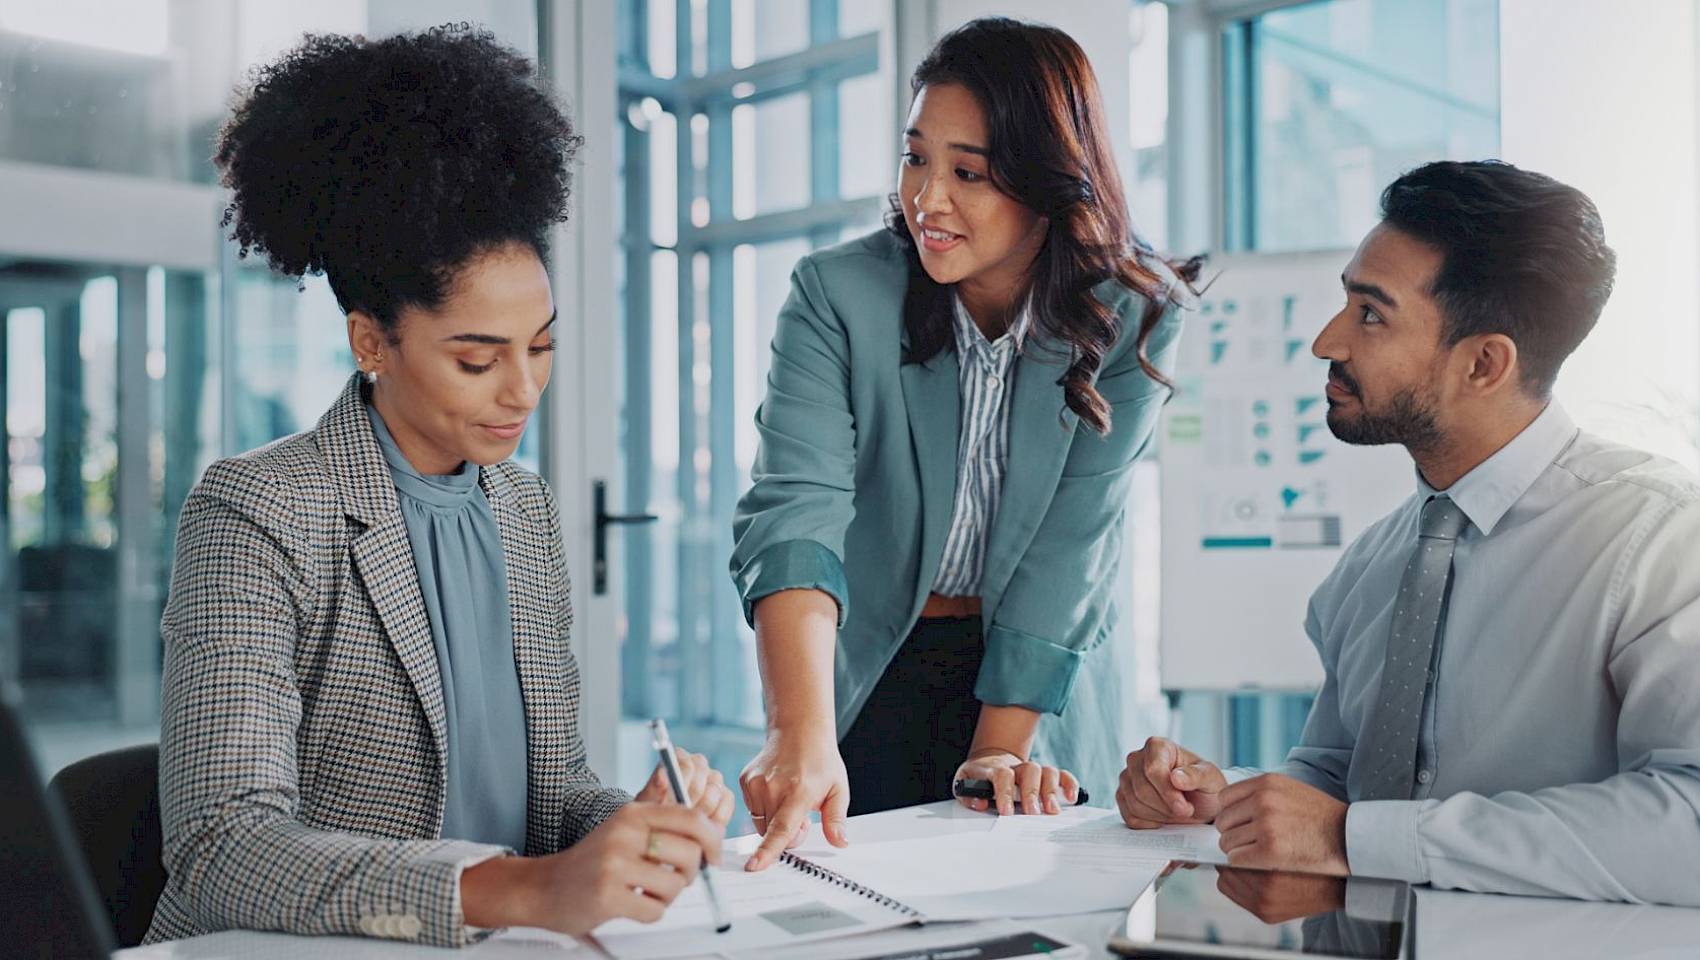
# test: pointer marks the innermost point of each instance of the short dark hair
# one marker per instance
(388, 164)
(1524, 256)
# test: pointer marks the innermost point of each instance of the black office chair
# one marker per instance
(112, 804)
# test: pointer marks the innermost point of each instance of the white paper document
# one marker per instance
(982, 876)
(1085, 829)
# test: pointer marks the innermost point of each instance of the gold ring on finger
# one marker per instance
(652, 849)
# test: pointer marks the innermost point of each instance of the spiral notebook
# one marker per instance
(794, 901)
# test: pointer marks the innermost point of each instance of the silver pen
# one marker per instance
(670, 763)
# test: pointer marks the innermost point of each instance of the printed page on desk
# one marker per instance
(981, 876)
(1083, 828)
(779, 906)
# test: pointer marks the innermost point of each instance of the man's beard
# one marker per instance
(1408, 419)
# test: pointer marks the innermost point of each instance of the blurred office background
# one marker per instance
(725, 139)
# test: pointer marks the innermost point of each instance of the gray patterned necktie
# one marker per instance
(1389, 752)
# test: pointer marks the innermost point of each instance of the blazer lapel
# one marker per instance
(383, 557)
(539, 651)
(1038, 445)
(933, 398)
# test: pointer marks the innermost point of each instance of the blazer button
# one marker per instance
(408, 927)
(369, 926)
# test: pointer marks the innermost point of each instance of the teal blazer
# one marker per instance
(855, 481)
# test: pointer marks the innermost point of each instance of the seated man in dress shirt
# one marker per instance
(1511, 699)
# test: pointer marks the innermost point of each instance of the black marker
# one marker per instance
(982, 790)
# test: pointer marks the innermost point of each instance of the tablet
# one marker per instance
(1199, 910)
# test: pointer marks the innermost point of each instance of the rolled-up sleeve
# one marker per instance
(789, 528)
(1059, 599)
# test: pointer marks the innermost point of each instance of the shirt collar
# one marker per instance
(969, 335)
(1488, 491)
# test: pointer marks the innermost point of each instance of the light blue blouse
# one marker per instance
(457, 551)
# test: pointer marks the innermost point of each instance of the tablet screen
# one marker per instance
(1202, 910)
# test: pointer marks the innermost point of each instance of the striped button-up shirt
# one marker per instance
(982, 448)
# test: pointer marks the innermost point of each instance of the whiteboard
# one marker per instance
(1258, 498)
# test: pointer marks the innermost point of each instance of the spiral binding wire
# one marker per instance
(838, 879)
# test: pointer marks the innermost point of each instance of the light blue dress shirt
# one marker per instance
(1559, 752)
(982, 447)
(457, 550)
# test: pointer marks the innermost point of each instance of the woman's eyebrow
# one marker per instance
(915, 134)
(492, 339)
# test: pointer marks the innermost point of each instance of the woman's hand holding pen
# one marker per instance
(797, 771)
(1017, 779)
(632, 866)
(704, 784)
(1003, 736)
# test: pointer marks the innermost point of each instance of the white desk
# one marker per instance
(1450, 926)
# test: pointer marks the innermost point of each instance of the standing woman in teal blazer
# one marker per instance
(929, 551)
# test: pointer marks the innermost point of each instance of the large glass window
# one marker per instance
(120, 382)
(107, 378)
(1327, 102)
(752, 132)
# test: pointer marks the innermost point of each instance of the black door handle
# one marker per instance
(599, 572)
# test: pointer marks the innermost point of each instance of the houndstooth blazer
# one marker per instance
(302, 732)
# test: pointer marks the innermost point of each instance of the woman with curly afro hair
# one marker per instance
(370, 704)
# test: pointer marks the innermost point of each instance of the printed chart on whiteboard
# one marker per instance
(1259, 498)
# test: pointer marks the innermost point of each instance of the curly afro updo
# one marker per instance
(388, 164)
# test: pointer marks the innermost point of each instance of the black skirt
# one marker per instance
(916, 726)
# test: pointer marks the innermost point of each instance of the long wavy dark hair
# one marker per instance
(1049, 150)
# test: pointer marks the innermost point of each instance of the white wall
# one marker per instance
(1605, 97)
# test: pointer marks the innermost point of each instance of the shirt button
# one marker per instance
(993, 382)
(1424, 776)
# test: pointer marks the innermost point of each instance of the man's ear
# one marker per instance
(1494, 363)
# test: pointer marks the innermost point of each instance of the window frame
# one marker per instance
(714, 687)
